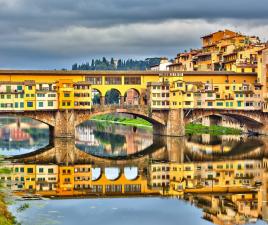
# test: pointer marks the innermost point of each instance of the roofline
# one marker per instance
(115, 72)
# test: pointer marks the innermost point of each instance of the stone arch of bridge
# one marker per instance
(153, 119)
(243, 118)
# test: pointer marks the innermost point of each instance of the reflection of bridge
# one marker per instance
(170, 149)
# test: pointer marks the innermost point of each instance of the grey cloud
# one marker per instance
(55, 33)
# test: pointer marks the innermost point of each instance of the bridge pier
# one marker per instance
(64, 124)
(174, 124)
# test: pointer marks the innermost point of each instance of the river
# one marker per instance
(116, 174)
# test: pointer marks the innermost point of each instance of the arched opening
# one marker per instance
(131, 173)
(132, 97)
(230, 120)
(113, 97)
(96, 173)
(96, 97)
(112, 173)
(20, 135)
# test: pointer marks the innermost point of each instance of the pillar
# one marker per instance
(64, 124)
(174, 124)
(102, 100)
(122, 100)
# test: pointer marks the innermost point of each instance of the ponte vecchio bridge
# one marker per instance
(63, 99)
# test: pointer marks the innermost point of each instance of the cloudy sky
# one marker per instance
(52, 34)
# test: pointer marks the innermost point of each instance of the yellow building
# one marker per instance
(11, 96)
(66, 180)
(82, 95)
(65, 90)
(82, 177)
(46, 96)
(29, 95)
(158, 95)
(46, 177)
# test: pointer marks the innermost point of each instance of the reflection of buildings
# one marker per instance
(75, 180)
(229, 192)
(17, 133)
(84, 135)
(14, 134)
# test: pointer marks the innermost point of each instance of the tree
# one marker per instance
(92, 65)
(74, 66)
(96, 99)
(112, 97)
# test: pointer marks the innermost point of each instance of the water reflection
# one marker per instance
(22, 135)
(225, 177)
(109, 140)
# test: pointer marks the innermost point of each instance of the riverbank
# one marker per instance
(122, 120)
(212, 130)
(189, 129)
(5, 216)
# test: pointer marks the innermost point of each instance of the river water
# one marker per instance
(115, 174)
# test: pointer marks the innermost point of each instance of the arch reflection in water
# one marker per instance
(231, 188)
(21, 135)
(112, 173)
(109, 140)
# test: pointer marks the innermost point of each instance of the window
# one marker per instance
(132, 80)
(219, 103)
(187, 103)
(66, 95)
(19, 88)
(50, 103)
(16, 105)
(40, 104)
(113, 80)
(239, 103)
(30, 104)
(50, 170)
(21, 105)
(94, 80)
(8, 88)
(30, 88)
(209, 94)
(210, 103)
(29, 170)
(41, 170)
